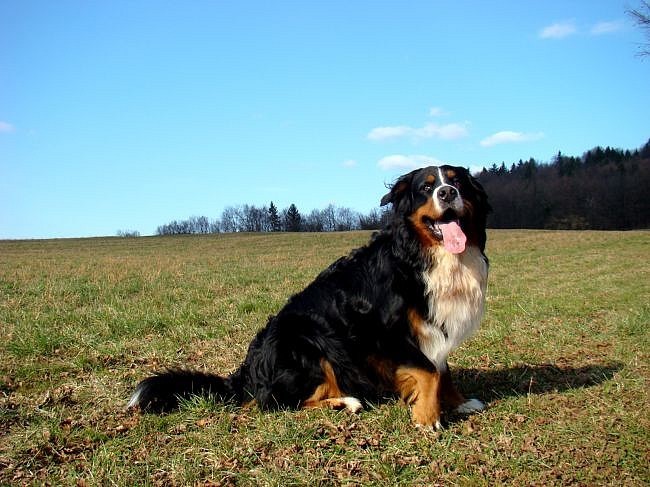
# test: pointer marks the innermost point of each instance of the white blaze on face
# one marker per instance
(442, 178)
(456, 204)
(453, 237)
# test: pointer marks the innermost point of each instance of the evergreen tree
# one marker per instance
(645, 151)
(274, 218)
(292, 221)
(559, 163)
(530, 168)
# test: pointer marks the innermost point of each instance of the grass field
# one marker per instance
(562, 360)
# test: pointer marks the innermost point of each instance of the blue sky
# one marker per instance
(129, 114)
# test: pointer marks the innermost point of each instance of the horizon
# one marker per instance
(126, 116)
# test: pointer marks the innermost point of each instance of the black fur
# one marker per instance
(353, 314)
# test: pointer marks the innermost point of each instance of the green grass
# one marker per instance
(561, 359)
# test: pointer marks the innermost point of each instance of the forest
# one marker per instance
(603, 189)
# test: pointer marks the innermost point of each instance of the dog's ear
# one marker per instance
(480, 192)
(398, 189)
(475, 184)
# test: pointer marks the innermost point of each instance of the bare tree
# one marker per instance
(199, 224)
(128, 233)
(328, 218)
(641, 17)
(254, 219)
(374, 220)
(314, 222)
(346, 219)
(231, 219)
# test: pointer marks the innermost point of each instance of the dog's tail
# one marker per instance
(163, 391)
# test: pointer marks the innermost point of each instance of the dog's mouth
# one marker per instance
(447, 230)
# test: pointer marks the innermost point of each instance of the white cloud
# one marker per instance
(399, 161)
(559, 30)
(606, 27)
(507, 136)
(350, 163)
(382, 133)
(6, 127)
(437, 112)
(448, 131)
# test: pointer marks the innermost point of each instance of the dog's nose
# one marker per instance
(447, 194)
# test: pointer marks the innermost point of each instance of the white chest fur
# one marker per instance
(455, 286)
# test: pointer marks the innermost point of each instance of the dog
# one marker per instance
(378, 323)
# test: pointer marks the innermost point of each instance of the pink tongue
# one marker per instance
(453, 237)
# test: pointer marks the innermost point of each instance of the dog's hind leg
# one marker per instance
(329, 395)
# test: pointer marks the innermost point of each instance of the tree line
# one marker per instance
(604, 189)
(251, 218)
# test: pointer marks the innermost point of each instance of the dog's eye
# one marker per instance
(456, 182)
(428, 188)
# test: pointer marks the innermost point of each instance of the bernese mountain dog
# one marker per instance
(375, 324)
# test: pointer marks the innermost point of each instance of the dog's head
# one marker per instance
(443, 205)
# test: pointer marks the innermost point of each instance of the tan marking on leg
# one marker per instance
(419, 388)
(329, 395)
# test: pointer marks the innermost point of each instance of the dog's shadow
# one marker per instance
(494, 384)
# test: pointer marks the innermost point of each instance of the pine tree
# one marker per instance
(274, 218)
(292, 222)
(645, 151)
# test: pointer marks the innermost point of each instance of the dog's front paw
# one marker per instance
(431, 427)
(471, 406)
(426, 419)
